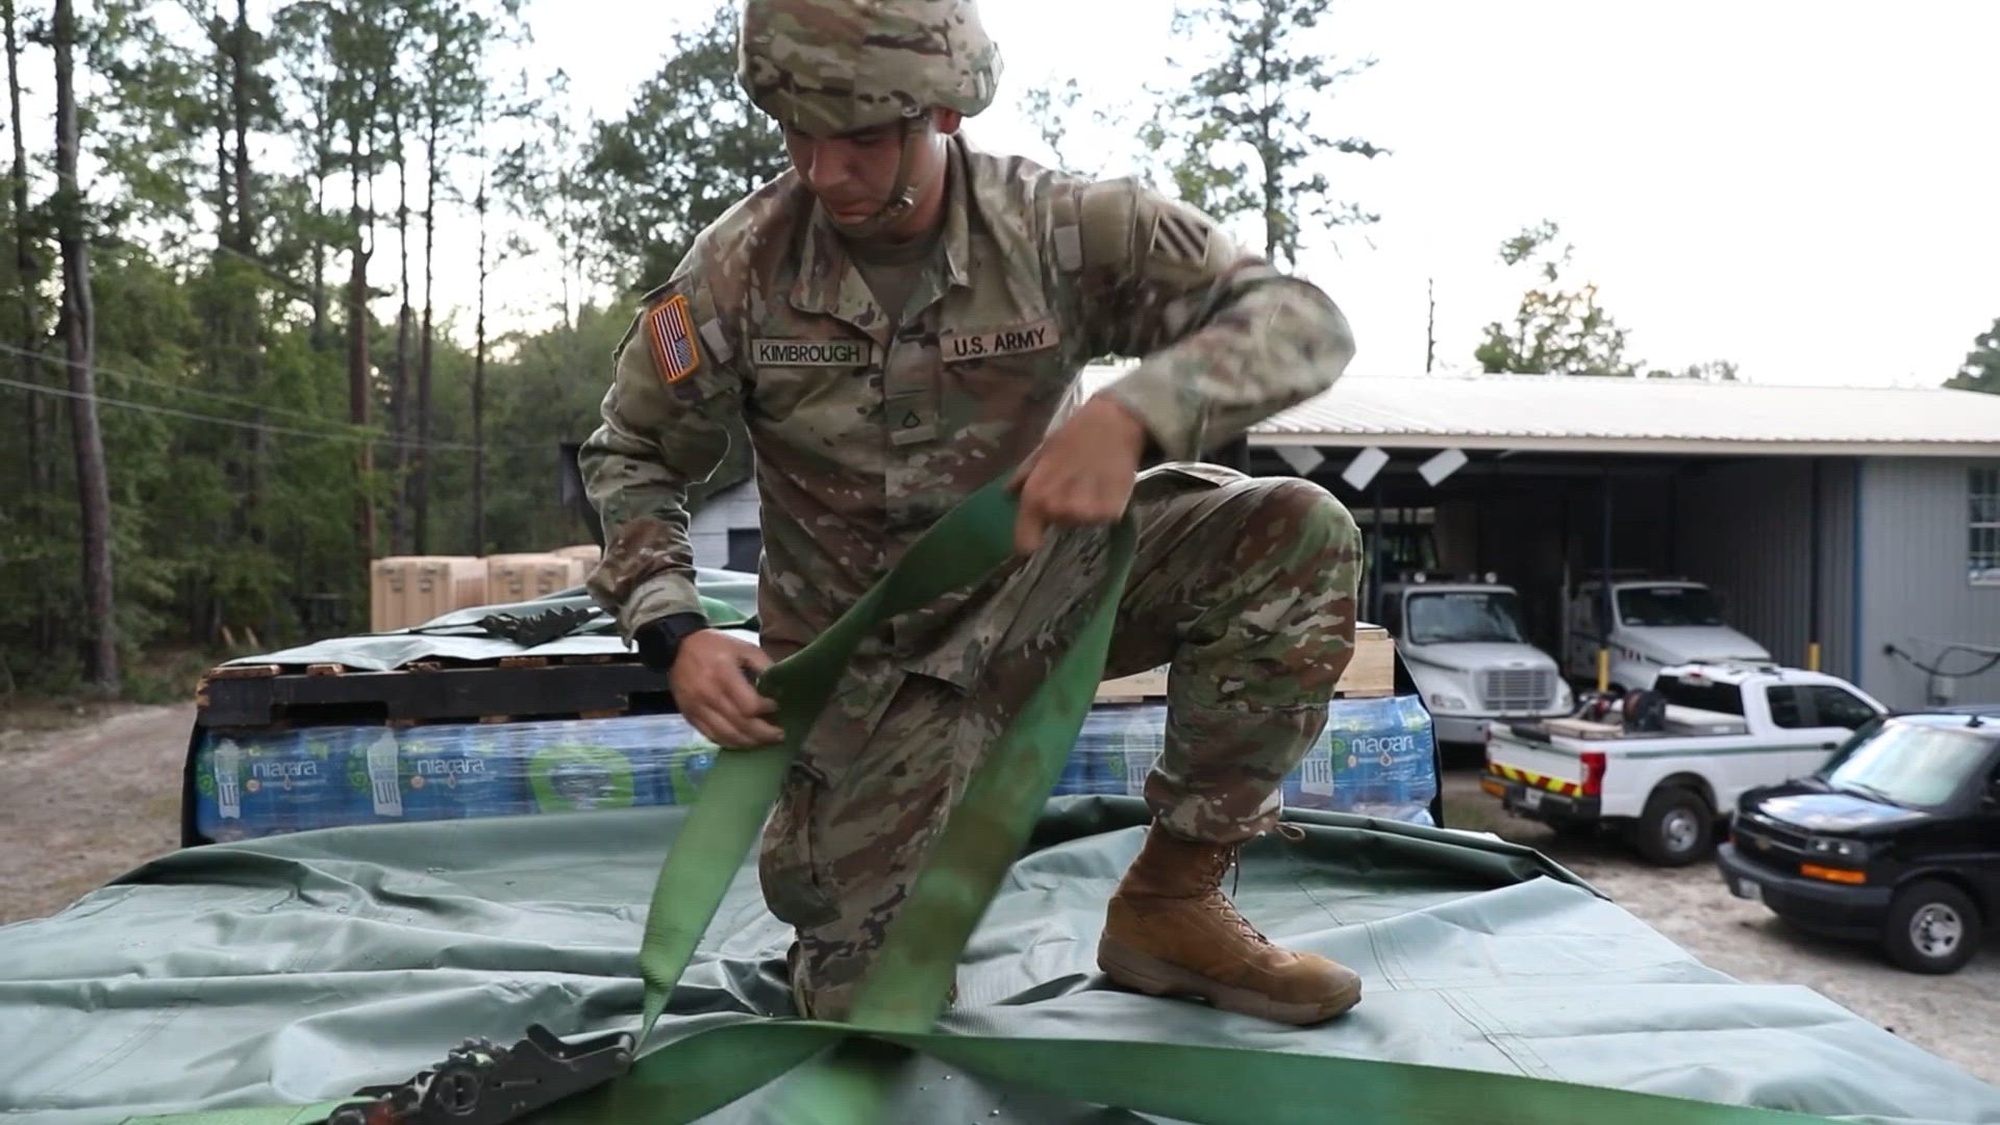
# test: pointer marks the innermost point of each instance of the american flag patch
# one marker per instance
(672, 336)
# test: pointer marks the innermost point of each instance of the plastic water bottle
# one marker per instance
(228, 782)
(385, 786)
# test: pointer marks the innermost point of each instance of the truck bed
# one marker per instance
(300, 967)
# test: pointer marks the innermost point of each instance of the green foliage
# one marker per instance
(1712, 371)
(1565, 331)
(220, 362)
(1556, 330)
(1241, 135)
(690, 147)
(1981, 369)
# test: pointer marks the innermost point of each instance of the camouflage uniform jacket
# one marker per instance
(869, 424)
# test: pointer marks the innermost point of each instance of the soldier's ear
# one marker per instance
(946, 120)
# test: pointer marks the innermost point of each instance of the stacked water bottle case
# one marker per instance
(1376, 757)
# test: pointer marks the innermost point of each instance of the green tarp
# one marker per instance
(299, 967)
(729, 598)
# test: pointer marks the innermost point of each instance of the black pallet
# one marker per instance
(265, 697)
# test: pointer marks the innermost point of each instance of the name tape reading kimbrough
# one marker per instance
(809, 353)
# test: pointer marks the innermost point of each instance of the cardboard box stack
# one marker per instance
(406, 590)
(583, 559)
(519, 578)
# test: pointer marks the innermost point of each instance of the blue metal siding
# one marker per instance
(1915, 592)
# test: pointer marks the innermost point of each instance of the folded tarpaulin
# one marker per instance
(298, 968)
(729, 598)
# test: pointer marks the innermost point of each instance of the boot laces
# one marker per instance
(1228, 860)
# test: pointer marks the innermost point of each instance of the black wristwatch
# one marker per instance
(660, 639)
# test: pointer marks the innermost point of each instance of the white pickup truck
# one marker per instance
(1670, 762)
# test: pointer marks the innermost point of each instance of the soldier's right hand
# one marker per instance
(711, 682)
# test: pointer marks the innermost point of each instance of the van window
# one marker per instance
(1917, 765)
(1702, 694)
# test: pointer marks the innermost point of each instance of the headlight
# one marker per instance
(1836, 846)
(1564, 697)
(1443, 702)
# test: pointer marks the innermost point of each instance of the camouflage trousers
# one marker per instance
(1245, 586)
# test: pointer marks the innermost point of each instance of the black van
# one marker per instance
(1896, 839)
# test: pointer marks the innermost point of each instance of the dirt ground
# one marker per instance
(126, 765)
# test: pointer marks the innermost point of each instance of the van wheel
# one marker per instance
(1677, 828)
(1933, 927)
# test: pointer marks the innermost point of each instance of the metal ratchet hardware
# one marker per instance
(483, 1083)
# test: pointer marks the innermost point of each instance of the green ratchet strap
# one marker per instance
(823, 1073)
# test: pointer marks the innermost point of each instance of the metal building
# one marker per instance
(1854, 519)
(1863, 520)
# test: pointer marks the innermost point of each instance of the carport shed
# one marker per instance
(1863, 519)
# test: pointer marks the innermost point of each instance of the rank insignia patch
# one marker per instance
(671, 331)
(1179, 238)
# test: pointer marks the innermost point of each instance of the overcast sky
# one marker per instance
(1809, 189)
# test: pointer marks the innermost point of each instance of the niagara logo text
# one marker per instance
(429, 767)
(278, 771)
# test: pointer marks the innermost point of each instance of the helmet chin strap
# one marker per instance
(903, 194)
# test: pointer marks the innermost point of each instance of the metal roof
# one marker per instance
(1569, 414)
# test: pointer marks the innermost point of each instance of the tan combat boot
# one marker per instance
(1170, 930)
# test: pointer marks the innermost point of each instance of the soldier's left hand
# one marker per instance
(1081, 475)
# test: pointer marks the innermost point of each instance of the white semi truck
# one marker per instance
(1466, 648)
(1655, 623)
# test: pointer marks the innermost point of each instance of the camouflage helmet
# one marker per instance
(827, 67)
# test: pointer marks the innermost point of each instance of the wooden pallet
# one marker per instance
(1370, 675)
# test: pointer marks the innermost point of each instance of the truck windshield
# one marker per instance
(1650, 606)
(1913, 764)
(1464, 617)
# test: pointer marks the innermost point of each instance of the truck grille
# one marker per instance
(1762, 841)
(1517, 689)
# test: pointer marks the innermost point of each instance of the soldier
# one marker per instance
(896, 321)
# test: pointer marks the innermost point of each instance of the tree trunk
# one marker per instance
(92, 486)
(25, 266)
(479, 387)
(358, 391)
(249, 330)
(421, 485)
(323, 132)
(399, 388)
(225, 203)
(220, 356)
(239, 89)
(41, 415)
